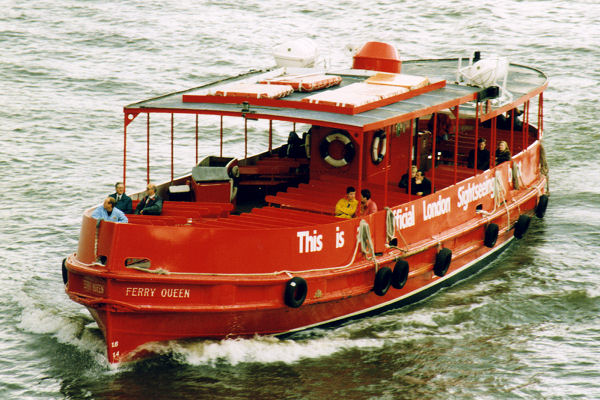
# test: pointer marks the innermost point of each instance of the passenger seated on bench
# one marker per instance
(295, 146)
(151, 204)
(346, 206)
(108, 212)
(367, 205)
(483, 156)
(420, 185)
(512, 118)
(502, 152)
(403, 184)
(443, 127)
(123, 201)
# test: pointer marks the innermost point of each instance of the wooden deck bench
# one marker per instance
(295, 214)
(290, 202)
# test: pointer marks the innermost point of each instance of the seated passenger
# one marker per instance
(403, 184)
(367, 205)
(443, 127)
(420, 185)
(502, 152)
(295, 146)
(108, 212)
(151, 204)
(123, 201)
(512, 117)
(483, 156)
(346, 206)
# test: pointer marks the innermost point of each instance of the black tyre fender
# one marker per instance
(65, 273)
(383, 280)
(540, 209)
(491, 235)
(400, 274)
(522, 225)
(442, 262)
(295, 292)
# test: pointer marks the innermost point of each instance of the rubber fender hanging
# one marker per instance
(65, 273)
(295, 292)
(542, 204)
(400, 274)
(342, 136)
(522, 225)
(491, 235)
(383, 280)
(379, 146)
(442, 262)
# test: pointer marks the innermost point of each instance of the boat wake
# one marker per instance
(264, 350)
(67, 326)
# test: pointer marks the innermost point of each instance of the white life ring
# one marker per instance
(379, 146)
(342, 136)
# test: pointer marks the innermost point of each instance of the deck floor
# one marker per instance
(311, 203)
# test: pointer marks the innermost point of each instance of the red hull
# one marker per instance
(202, 270)
(142, 308)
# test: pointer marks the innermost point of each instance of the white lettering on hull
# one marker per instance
(474, 192)
(437, 208)
(308, 243)
(404, 218)
(339, 238)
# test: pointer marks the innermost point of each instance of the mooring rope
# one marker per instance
(162, 271)
(390, 229)
(499, 194)
(544, 169)
(366, 242)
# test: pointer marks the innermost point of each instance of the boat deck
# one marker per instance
(311, 203)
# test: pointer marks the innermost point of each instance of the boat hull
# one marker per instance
(253, 246)
(131, 334)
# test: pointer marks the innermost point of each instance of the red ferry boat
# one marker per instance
(251, 246)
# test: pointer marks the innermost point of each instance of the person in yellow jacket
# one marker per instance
(346, 206)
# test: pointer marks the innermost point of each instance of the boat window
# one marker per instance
(137, 262)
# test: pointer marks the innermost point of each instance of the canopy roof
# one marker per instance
(522, 83)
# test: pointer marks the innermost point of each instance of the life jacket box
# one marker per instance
(213, 179)
(253, 90)
(306, 83)
(213, 168)
(410, 82)
(180, 193)
(355, 94)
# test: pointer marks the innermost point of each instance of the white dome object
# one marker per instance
(486, 72)
(300, 53)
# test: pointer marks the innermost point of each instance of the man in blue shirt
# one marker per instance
(107, 211)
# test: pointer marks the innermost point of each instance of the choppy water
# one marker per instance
(527, 327)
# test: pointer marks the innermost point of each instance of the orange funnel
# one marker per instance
(378, 56)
